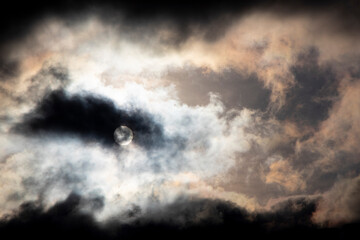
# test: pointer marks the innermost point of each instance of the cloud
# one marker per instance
(210, 20)
(236, 90)
(282, 173)
(313, 93)
(92, 118)
(8, 69)
(340, 204)
(67, 139)
(253, 104)
(64, 219)
(182, 218)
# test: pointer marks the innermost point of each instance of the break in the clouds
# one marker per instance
(243, 116)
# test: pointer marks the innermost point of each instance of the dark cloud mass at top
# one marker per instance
(211, 18)
(91, 118)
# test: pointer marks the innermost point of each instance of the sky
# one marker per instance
(245, 119)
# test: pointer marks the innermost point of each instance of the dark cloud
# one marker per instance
(210, 19)
(92, 118)
(316, 88)
(305, 157)
(325, 179)
(62, 221)
(237, 90)
(183, 219)
(8, 69)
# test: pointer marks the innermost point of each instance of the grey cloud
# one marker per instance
(247, 176)
(8, 69)
(237, 90)
(308, 105)
(315, 90)
(341, 203)
(51, 76)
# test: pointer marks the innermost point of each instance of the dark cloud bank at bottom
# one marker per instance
(183, 219)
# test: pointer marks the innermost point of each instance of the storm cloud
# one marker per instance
(92, 118)
(245, 119)
(181, 219)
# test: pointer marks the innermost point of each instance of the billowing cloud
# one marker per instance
(243, 115)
